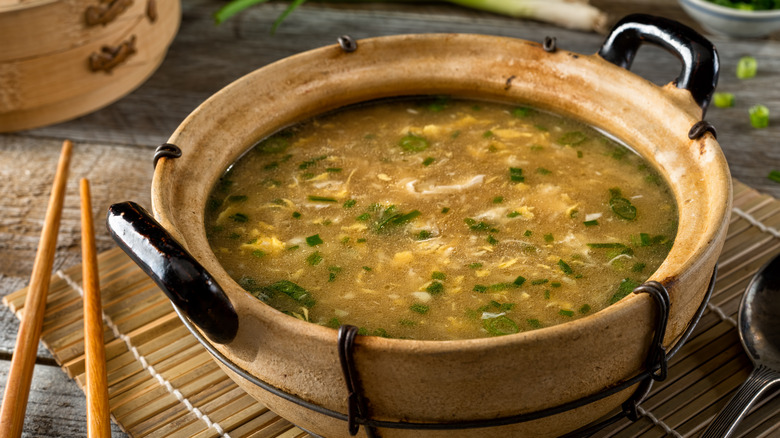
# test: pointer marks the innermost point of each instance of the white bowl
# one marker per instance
(732, 22)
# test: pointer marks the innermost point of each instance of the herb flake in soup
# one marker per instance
(440, 220)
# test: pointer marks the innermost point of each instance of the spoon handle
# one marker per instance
(728, 419)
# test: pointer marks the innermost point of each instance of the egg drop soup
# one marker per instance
(440, 219)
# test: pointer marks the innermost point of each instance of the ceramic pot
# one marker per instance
(295, 368)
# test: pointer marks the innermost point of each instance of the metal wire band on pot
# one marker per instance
(629, 407)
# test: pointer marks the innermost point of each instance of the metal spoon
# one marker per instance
(759, 329)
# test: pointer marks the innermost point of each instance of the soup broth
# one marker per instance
(440, 219)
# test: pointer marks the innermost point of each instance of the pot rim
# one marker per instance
(332, 64)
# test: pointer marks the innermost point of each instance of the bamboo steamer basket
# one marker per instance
(61, 59)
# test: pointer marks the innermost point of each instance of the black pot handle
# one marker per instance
(699, 58)
(186, 283)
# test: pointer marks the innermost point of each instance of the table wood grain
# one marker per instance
(114, 146)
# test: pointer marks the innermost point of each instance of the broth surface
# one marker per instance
(440, 219)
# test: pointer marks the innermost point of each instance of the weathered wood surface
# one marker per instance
(114, 146)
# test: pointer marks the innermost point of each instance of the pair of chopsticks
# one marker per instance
(23, 360)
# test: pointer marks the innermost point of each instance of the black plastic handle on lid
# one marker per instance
(186, 283)
(699, 58)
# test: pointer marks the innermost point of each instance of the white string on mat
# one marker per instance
(149, 368)
(721, 314)
(756, 223)
(657, 422)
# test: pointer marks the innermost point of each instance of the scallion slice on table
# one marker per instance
(723, 100)
(747, 67)
(759, 116)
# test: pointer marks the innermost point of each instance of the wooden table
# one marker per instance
(114, 146)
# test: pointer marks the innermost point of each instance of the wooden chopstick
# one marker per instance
(98, 420)
(17, 387)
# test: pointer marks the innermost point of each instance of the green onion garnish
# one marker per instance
(413, 143)
(563, 312)
(314, 240)
(585, 309)
(513, 214)
(475, 265)
(437, 275)
(759, 116)
(428, 161)
(333, 169)
(572, 138)
(626, 286)
(314, 258)
(296, 215)
(491, 240)
(592, 223)
(363, 217)
(500, 326)
(445, 210)
(435, 288)
(540, 281)
(419, 308)
(480, 288)
(424, 234)
(548, 238)
(565, 267)
(774, 176)
(543, 171)
(239, 217)
(316, 198)
(498, 199)
(349, 203)
(516, 174)
(519, 281)
(746, 67)
(258, 253)
(534, 323)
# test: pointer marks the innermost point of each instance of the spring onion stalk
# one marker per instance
(572, 14)
(774, 176)
(759, 116)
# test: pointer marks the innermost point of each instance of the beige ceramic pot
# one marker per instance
(449, 381)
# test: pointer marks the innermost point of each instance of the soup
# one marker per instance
(440, 219)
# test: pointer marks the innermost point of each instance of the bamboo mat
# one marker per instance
(163, 383)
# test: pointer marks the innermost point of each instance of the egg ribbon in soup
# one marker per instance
(440, 219)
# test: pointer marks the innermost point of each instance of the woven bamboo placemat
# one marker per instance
(164, 383)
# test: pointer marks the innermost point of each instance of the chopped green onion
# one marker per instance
(314, 258)
(774, 176)
(759, 116)
(424, 234)
(239, 217)
(492, 240)
(480, 288)
(723, 100)
(565, 267)
(363, 217)
(333, 169)
(528, 233)
(519, 281)
(314, 240)
(547, 294)
(498, 199)
(540, 281)
(296, 215)
(294, 247)
(747, 66)
(513, 214)
(445, 210)
(572, 138)
(500, 326)
(238, 198)
(563, 312)
(366, 268)
(258, 253)
(361, 240)
(555, 284)
(234, 236)
(419, 308)
(543, 171)
(548, 238)
(428, 161)
(621, 206)
(516, 174)
(626, 286)
(585, 309)
(435, 288)
(521, 111)
(333, 323)
(437, 275)
(316, 198)
(349, 203)
(475, 265)
(487, 134)
(413, 143)
(534, 323)
(313, 162)
(292, 290)
(592, 223)
(638, 267)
